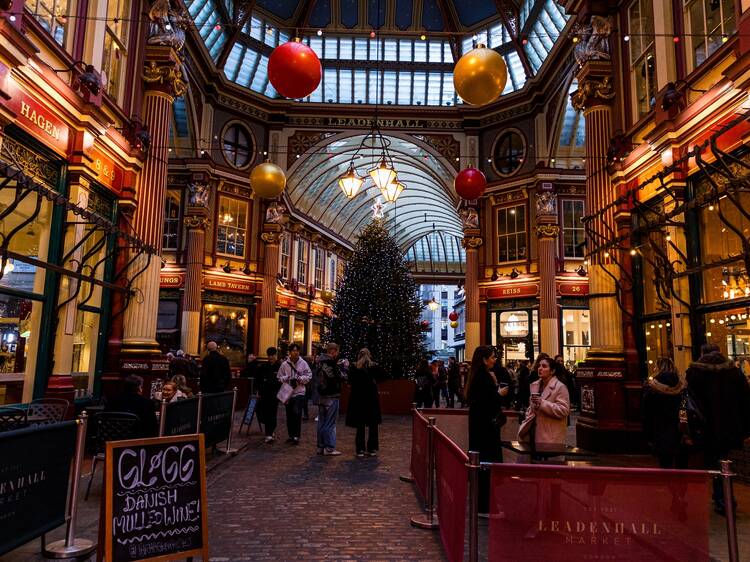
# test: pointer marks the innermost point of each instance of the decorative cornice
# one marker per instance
(547, 230)
(471, 242)
(242, 107)
(271, 237)
(196, 221)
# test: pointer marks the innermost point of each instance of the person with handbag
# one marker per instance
(547, 416)
(294, 374)
(486, 417)
(662, 401)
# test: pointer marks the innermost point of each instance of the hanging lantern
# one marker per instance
(470, 183)
(480, 76)
(350, 183)
(433, 305)
(382, 175)
(392, 191)
(267, 180)
(454, 324)
(294, 70)
(453, 316)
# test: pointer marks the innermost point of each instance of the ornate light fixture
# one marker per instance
(384, 174)
(391, 191)
(350, 182)
(433, 305)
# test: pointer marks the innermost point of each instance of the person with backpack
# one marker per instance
(662, 401)
(328, 380)
(295, 372)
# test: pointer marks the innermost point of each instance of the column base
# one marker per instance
(550, 336)
(473, 338)
(267, 335)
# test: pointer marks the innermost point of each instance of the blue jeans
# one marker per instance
(328, 411)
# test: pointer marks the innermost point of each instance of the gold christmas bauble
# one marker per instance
(267, 180)
(454, 324)
(480, 76)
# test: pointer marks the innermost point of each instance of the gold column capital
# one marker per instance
(197, 222)
(595, 85)
(471, 242)
(547, 230)
(271, 237)
(164, 71)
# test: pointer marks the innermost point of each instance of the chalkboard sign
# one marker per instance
(181, 417)
(155, 499)
(250, 411)
(34, 475)
(216, 417)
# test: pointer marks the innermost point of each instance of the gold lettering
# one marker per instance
(555, 526)
(542, 526)
(580, 526)
(25, 109)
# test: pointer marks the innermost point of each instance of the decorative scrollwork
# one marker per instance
(197, 221)
(170, 75)
(271, 237)
(592, 88)
(471, 242)
(548, 230)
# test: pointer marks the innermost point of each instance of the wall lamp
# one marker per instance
(137, 134)
(582, 271)
(514, 273)
(246, 270)
(86, 77)
(227, 268)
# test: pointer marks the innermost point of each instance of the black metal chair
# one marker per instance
(45, 411)
(13, 418)
(110, 426)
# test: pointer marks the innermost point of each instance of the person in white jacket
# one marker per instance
(295, 372)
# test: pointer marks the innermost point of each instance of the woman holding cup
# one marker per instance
(547, 416)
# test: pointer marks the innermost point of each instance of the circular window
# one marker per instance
(508, 152)
(237, 145)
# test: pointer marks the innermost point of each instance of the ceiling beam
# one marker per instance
(502, 6)
(451, 22)
(242, 13)
(304, 15)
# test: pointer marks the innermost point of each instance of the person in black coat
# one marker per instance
(363, 410)
(268, 388)
(423, 392)
(486, 416)
(723, 394)
(662, 398)
(502, 376)
(132, 401)
(215, 370)
(454, 383)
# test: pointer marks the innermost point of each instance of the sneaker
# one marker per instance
(331, 453)
(372, 453)
(295, 440)
(360, 454)
(269, 439)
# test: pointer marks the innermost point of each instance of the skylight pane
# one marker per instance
(331, 48)
(330, 83)
(284, 37)
(317, 95)
(436, 51)
(271, 91)
(270, 35)
(389, 87)
(360, 49)
(316, 44)
(373, 90)
(405, 50)
(420, 51)
(533, 50)
(360, 86)
(496, 36)
(482, 37)
(447, 54)
(433, 88)
(404, 88)
(255, 30)
(390, 50)
(345, 85)
(467, 45)
(556, 14)
(420, 83)
(346, 50)
(261, 75)
(247, 68)
(233, 61)
(449, 93)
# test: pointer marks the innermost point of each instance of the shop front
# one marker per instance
(513, 320)
(301, 321)
(575, 322)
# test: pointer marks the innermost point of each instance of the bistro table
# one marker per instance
(542, 452)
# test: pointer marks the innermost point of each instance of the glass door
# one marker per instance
(516, 334)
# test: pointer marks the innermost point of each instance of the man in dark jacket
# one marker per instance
(268, 388)
(723, 394)
(328, 381)
(215, 370)
(133, 402)
(504, 379)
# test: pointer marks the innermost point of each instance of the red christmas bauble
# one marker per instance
(294, 70)
(470, 183)
(453, 316)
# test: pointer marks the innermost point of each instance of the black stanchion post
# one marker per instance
(409, 477)
(726, 476)
(162, 417)
(70, 546)
(474, 468)
(429, 519)
(200, 412)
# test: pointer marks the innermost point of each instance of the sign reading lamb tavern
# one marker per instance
(229, 285)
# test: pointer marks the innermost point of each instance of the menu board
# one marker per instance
(155, 499)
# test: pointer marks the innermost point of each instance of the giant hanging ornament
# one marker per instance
(453, 316)
(470, 183)
(267, 180)
(294, 70)
(480, 76)
(454, 324)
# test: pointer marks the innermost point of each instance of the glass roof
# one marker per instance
(388, 69)
(428, 204)
(437, 252)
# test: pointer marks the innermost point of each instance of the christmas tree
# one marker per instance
(377, 305)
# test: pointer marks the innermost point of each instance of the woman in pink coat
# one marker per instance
(547, 417)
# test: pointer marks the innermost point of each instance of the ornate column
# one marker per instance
(196, 222)
(163, 80)
(269, 332)
(547, 231)
(472, 241)
(608, 420)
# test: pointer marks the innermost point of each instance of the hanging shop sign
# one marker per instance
(229, 285)
(155, 499)
(284, 301)
(572, 288)
(37, 119)
(107, 172)
(171, 280)
(513, 291)
(319, 309)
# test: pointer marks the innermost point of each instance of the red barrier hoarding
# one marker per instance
(419, 452)
(585, 513)
(452, 488)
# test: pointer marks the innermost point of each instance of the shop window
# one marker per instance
(658, 337)
(508, 153)
(237, 145)
(574, 234)
(514, 324)
(171, 234)
(511, 233)
(283, 330)
(320, 260)
(642, 59)
(730, 330)
(227, 326)
(52, 15)
(301, 261)
(115, 46)
(298, 334)
(709, 23)
(168, 324)
(576, 330)
(332, 273)
(284, 259)
(232, 229)
(19, 336)
(317, 334)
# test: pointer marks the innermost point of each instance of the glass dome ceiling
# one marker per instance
(397, 67)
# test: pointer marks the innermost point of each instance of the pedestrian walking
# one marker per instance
(436, 383)
(268, 388)
(547, 416)
(454, 383)
(363, 411)
(723, 396)
(215, 370)
(295, 372)
(662, 398)
(328, 381)
(486, 417)
(423, 391)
